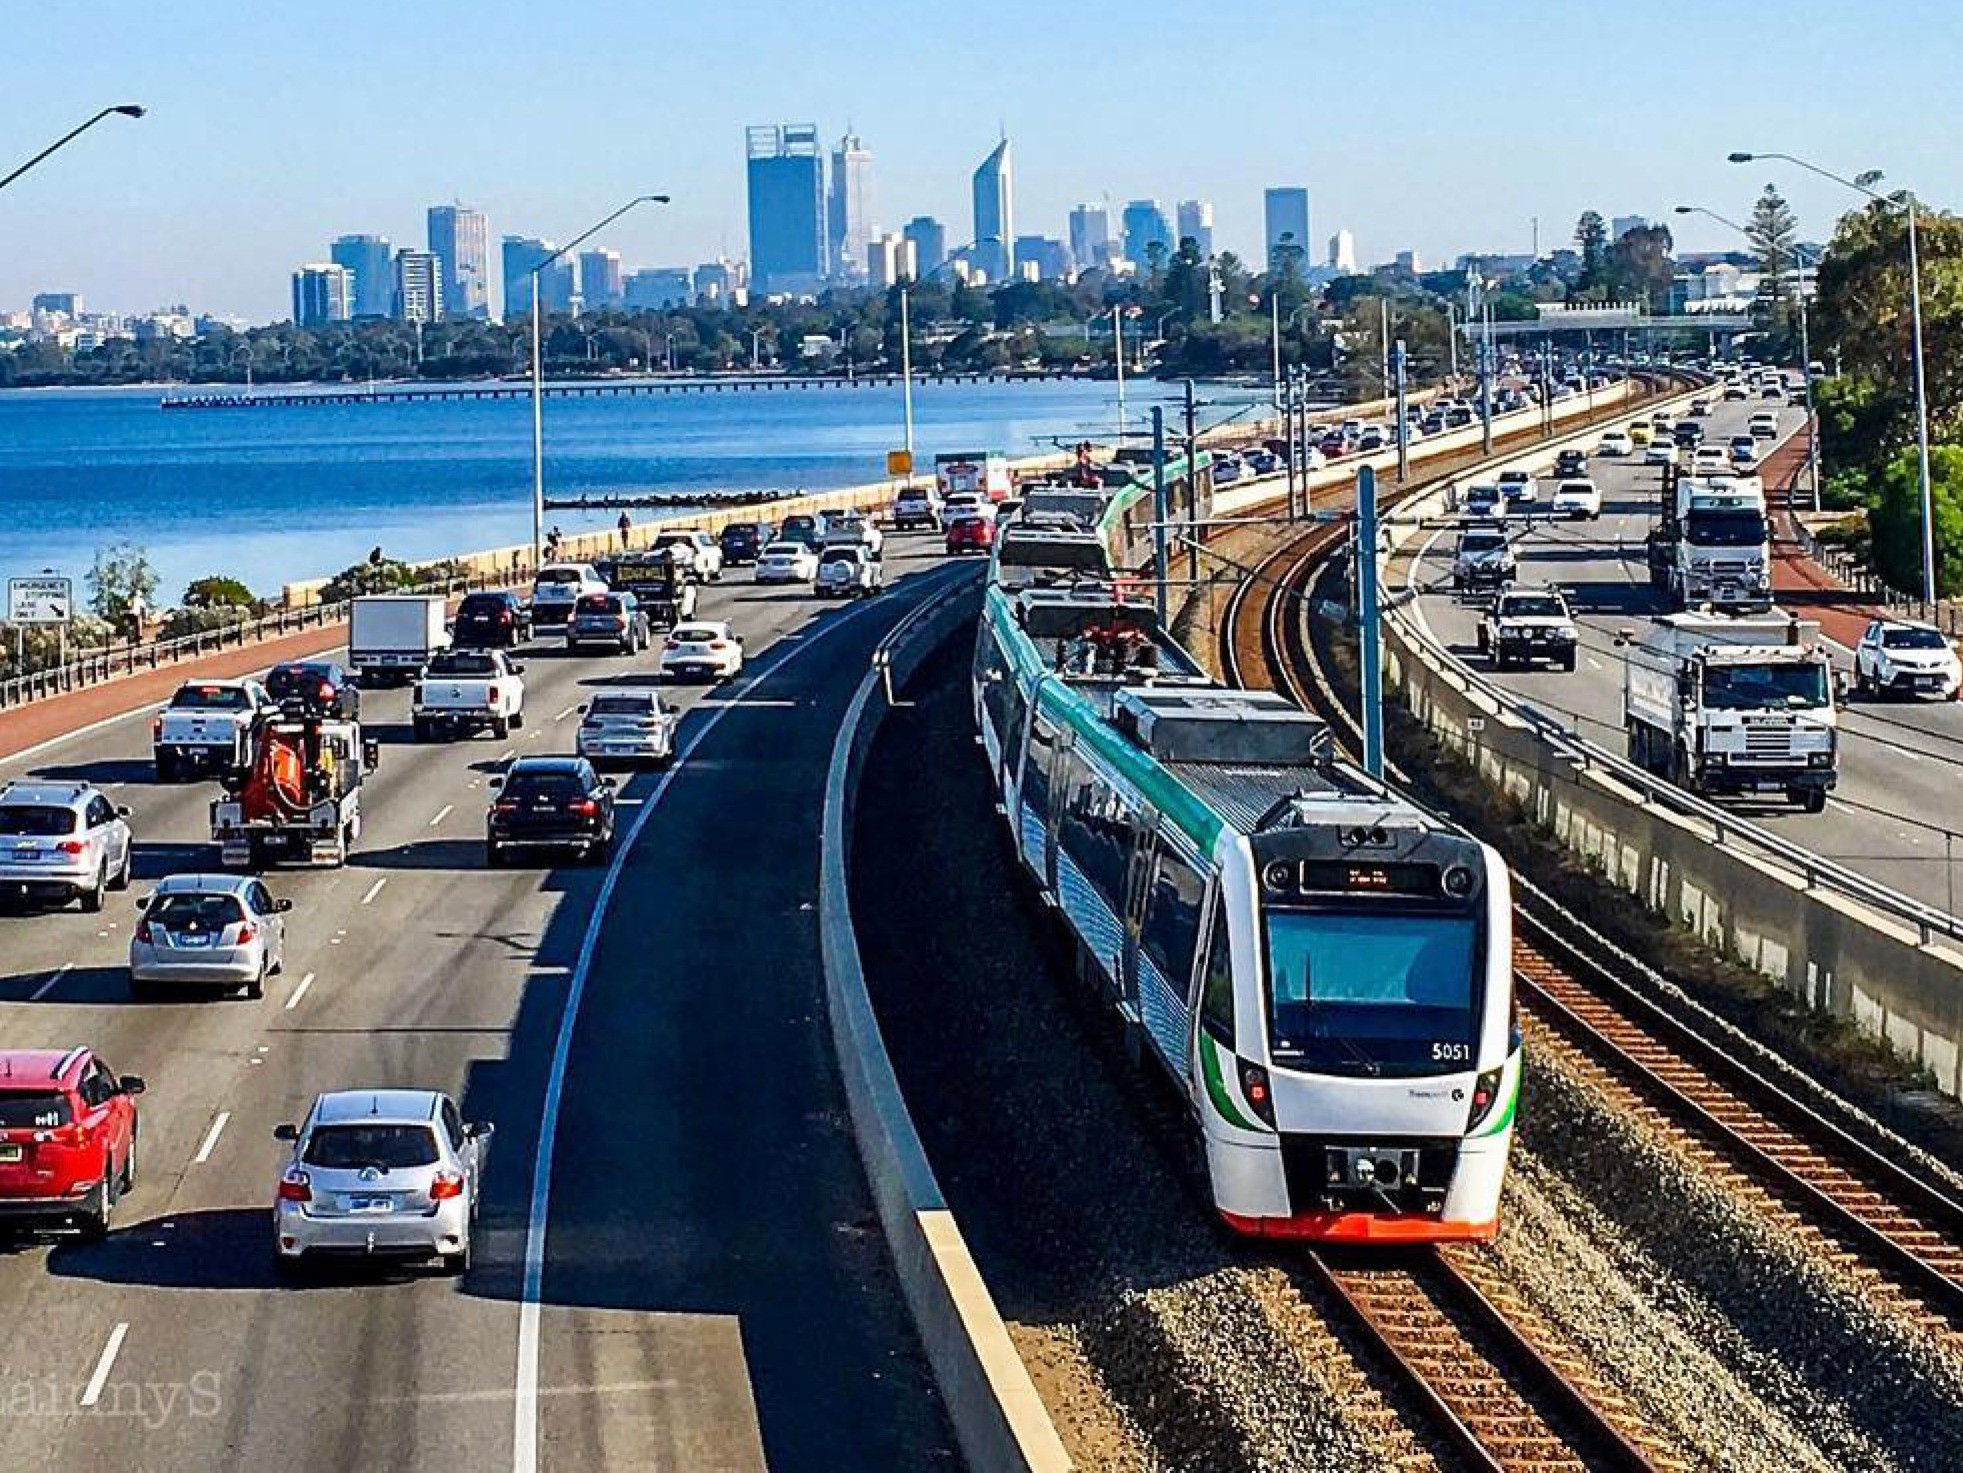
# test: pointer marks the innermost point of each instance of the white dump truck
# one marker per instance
(1734, 707)
(1711, 547)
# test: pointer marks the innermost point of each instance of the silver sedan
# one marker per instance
(627, 726)
(223, 931)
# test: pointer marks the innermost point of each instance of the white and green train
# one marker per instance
(1324, 969)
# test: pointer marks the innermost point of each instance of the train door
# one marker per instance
(1138, 889)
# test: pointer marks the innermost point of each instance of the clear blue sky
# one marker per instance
(1439, 127)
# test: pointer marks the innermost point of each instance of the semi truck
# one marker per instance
(393, 635)
(1711, 546)
(1735, 707)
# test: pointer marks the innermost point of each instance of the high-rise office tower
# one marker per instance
(418, 286)
(1621, 225)
(1342, 253)
(68, 304)
(1090, 235)
(890, 260)
(1286, 214)
(714, 283)
(558, 287)
(1043, 256)
(1145, 225)
(1196, 225)
(322, 293)
(850, 215)
(370, 260)
(929, 239)
(600, 284)
(788, 237)
(995, 215)
(653, 288)
(460, 238)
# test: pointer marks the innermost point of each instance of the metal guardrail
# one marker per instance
(110, 662)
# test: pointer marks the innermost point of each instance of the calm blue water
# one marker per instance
(271, 495)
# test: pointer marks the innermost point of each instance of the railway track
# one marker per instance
(1499, 1399)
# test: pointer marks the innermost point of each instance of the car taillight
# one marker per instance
(295, 1186)
(326, 691)
(491, 694)
(718, 644)
(71, 846)
(585, 807)
(504, 805)
(144, 933)
(448, 1184)
(673, 644)
(247, 934)
(504, 616)
(156, 727)
(70, 1136)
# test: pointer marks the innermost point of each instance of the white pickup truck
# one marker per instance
(207, 727)
(465, 690)
(694, 551)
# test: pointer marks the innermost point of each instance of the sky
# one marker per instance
(1441, 128)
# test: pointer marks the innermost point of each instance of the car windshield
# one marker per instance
(1355, 992)
(599, 603)
(550, 576)
(289, 678)
(1725, 528)
(1576, 488)
(463, 662)
(194, 912)
(1532, 606)
(784, 549)
(1753, 687)
(33, 1109)
(479, 603)
(556, 786)
(32, 821)
(1913, 639)
(211, 698)
(696, 633)
(622, 705)
(1481, 544)
(799, 524)
(364, 1143)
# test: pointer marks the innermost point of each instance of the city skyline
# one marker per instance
(227, 216)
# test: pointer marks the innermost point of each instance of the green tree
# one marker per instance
(1591, 238)
(1639, 264)
(1897, 519)
(1772, 230)
(218, 592)
(120, 576)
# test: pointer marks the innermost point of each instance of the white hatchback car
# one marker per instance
(786, 562)
(1615, 442)
(1578, 497)
(379, 1174)
(224, 931)
(702, 650)
(1660, 452)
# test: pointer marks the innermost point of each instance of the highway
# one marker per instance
(1896, 814)
(697, 1281)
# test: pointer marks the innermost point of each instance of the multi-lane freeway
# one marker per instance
(1897, 812)
(676, 1266)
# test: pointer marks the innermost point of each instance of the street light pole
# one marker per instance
(1274, 304)
(1908, 207)
(125, 110)
(538, 373)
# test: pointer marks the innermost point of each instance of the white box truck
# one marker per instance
(1735, 707)
(1711, 547)
(982, 471)
(392, 635)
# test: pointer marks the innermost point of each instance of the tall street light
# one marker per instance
(126, 110)
(1915, 325)
(1805, 348)
(538, 372)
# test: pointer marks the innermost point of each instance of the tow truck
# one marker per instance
(298, 796)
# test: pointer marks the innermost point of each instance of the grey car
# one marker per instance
(379, 1174)
(627, 726)
(224, 931)
(62, 841)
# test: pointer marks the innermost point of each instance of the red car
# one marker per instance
(67, 1138)
(971, 534)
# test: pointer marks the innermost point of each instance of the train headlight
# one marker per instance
(1485, 1094)
(1254, 1088)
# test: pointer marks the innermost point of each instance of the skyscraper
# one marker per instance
(460, 238)
(418, 286)
(1196, 225)
(370, 260)
(1342, 253)
(599, 279)
(1621, 225)
(850, 216)
(788, 238)
(891, 259)
(1287, 219)
(1090, 235)
(1043, 255)
(322, 293)
(519, 253)
(929, 239)
(1146, 225)
(995, 215)
(655, 287)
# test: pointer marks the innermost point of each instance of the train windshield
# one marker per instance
(1363, 993)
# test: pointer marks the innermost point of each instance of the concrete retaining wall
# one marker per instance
(1000, 1421)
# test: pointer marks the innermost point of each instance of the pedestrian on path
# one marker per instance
(625, 524)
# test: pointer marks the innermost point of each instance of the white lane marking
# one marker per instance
(1594, 664)
(442, 813)
(771, 705)
(565, 713)
(374, 890)
(92, 1393)
(506, 755)
(211, 1138)
(49, 986)
(524, 1449)
(300, 992)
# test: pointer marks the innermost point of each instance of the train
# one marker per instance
(1321, 969)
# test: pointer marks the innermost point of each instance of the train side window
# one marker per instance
(1096, 830)
(1217, 982)
(1171, 930)
(1035, 789)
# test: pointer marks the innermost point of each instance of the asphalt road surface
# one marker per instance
(707, 1286)
(1896, 814)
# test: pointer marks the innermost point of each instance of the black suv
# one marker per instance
(317, 687)
(741, 542)
(488, 621)
(1570, 463)
(550, 803)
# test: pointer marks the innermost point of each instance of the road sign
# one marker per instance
(899, 462)
(40, 600)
